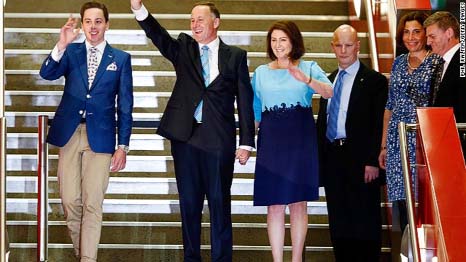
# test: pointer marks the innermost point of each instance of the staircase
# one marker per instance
(141, 209)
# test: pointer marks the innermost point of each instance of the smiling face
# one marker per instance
(414, 36)
(281, 44)
(204, 24)
(438, 39)
(94, 25)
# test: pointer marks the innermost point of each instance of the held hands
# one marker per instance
(68, 33)
(136, 4)
(242, 155)
(370, 174)
(118, 160)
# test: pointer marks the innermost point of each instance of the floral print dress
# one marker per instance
(406, 92)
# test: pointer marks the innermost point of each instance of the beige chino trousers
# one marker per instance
(83, 178)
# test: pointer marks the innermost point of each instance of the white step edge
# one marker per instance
(176, 247)
(186, 17)
(135, 163)
(163, 247)
(155, 224)
(177, 32)
(153, 206)
(158, 54)
(166, 224)
(131, 185)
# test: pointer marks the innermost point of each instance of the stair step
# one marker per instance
(148, 206)
(169, 253)
(136, 42)
(157, 63)
(133, 164)
(159, 233)
(166, 253)
(143, 81)
(161, 217)
(128, 185)
(47, 101)
(298, 7)
(237, 22)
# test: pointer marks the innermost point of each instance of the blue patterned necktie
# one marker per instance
(92, 65)
(206, 76)
(334, 107)
(205, 65)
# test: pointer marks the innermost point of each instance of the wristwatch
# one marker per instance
(124, 148)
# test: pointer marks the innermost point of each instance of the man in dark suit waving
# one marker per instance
(199, 120)
(98, 77)
(443, 32)
(349, 145)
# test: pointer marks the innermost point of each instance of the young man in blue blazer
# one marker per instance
(97, 101)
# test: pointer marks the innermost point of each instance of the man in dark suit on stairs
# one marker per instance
(349, 145)
(443, 32)
(199, 121)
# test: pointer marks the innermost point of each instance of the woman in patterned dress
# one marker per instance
(286, 171)
(414, 75)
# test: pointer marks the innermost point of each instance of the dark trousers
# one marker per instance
(204, 173)
(353, 207)
(352, 250)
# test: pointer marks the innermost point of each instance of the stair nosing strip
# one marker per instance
(168, 247)
(158, 224)
(158, 54)
(177, 32)
(130, 16)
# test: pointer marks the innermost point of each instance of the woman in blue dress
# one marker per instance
(413, 78)
(286, 171)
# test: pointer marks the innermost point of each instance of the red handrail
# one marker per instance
(442, 191)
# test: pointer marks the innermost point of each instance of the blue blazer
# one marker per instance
(113, 85)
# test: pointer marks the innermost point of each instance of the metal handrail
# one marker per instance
(371, 33)
(42, 199)
(402, 130)
(3, 244)
(392, 21)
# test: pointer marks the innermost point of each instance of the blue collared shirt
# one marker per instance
(348, 80)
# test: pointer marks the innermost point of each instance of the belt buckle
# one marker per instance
(340, 142)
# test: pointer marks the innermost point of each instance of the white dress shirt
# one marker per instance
(57, 55)
(142, 13)
(448, 56)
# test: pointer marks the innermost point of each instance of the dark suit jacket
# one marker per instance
(353, 206)
(113, 80)
(452, 90)
(452, 93)
(364, 119)
(218, 113)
